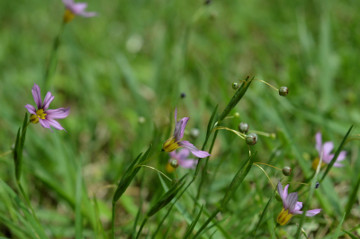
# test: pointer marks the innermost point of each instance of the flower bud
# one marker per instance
(243, 127)
(286, 171)
(174, 163)
(236, 115)
(283, 91)
(141, 120)
(251, 138)
(182, 95)
(235, 86)
(194, 133)
(317, 185)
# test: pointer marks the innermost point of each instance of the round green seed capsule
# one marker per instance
(243, 127)
(194, 133)
(286, 171)
(174, 163)
(251, 138)
(235, 86)
(283, 91)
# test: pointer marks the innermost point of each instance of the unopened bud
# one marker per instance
(182, 95)
(141, 120)
(236, 115)
(286, 171)
(207, 2)
(235, 86)
(174, 163)
(283, 91)
(243, 127)
(194, 133)
(251, 138)
(317, 185)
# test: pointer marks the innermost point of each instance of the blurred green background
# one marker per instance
(122, 74)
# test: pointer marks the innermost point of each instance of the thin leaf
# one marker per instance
(193, 224)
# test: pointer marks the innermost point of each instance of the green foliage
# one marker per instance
(123, 73)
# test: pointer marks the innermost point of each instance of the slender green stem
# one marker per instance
(53, 57)
(27, 200)
(141, 227)
(113, 221)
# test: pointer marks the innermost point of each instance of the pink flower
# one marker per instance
(42, 114)
(174, 142)
(182, 158)
(291, 206)
(325, 150)
(76, 9)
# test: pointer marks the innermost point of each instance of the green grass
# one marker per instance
(122, 74)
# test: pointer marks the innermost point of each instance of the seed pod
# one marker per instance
(235, 86)
(243, 127)
(174, 163)
(251, 138)
(194, 133)
(283, 91)
(286, 171)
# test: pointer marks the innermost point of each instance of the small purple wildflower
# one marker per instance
(174, 142)
(42, 114)
(325, 150)
(291, 206)
(73, 9)
(182, 158)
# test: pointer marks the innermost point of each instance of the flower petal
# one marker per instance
(327, 147)
(48, 98)
(180, 128)
(298, 207)
(312, 212)
(195, 151)
(291, 201)
(36, 95)
(188, 163)
(59, 113)
(173, 155)
(341, 156)
(183, 154)
(68, 2)
(44, 123)
(318, 142)
(31, 109)
(55, 124)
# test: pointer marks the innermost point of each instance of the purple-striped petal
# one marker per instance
(87, 14)
(36, 95)
(318, 142)
(44, 123)
(173, 155)
(312, 212)
(188, 163)
(31, 109)
(59, 113)
(341, 156)
(48, 98)
(291, 201)
(195, 151)
(180, 128)
(55, 124)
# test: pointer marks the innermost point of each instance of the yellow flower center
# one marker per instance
(284, 217)
(170, 145)
(316, 162)
(68, 16)
(40, 114)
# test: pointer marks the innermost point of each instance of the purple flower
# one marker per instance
(325, 150)
(42, 114)
(182, 158)
(174, 142)
(73, 9)
(291, 206)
